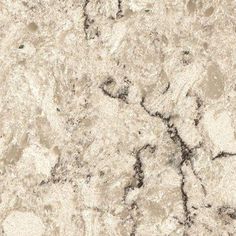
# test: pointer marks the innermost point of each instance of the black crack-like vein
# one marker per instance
(104, 86)
(134, 207)
(155, 114)
(139, 175)
(133, 233)
(199, 104)
(196, 175)
(122, 93)
(138, 170)
(188, 221)
(199, 115)
(138, 181)
(87, 20)
(223, 154)
(186, 154)
(119, 13)
(167, 88)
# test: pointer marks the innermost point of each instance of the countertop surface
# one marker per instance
(117, 118)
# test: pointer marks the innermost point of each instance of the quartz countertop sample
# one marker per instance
(117, 118)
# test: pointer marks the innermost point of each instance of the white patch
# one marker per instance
(220, 130)
(23, 224)
(118, 33)
(36, 160)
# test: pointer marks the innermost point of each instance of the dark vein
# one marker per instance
(133, 233)
(167, 88)
(138, 170)
(119, 13)
(139, 175)
(186, 154)
(227, 211)
(86, 18)
(223, 154)
(188, 221)
(199, 116)
(104, 85)
(122, 93)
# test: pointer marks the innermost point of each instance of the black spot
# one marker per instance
(88, 178)
(21, 46)
(186, 57)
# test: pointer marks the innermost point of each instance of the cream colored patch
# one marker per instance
(36, 160)
(220, 130)
(118, 33)
(139, 5)
(23, 224)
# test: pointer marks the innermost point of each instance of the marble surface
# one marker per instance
(117, 118)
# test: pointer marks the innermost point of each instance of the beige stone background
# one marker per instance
(117, 117)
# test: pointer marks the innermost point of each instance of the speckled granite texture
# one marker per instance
(117, 118)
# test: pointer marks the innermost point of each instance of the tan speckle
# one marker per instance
(213, 84)
(209, 11)
(32, 27)
(191, 5)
